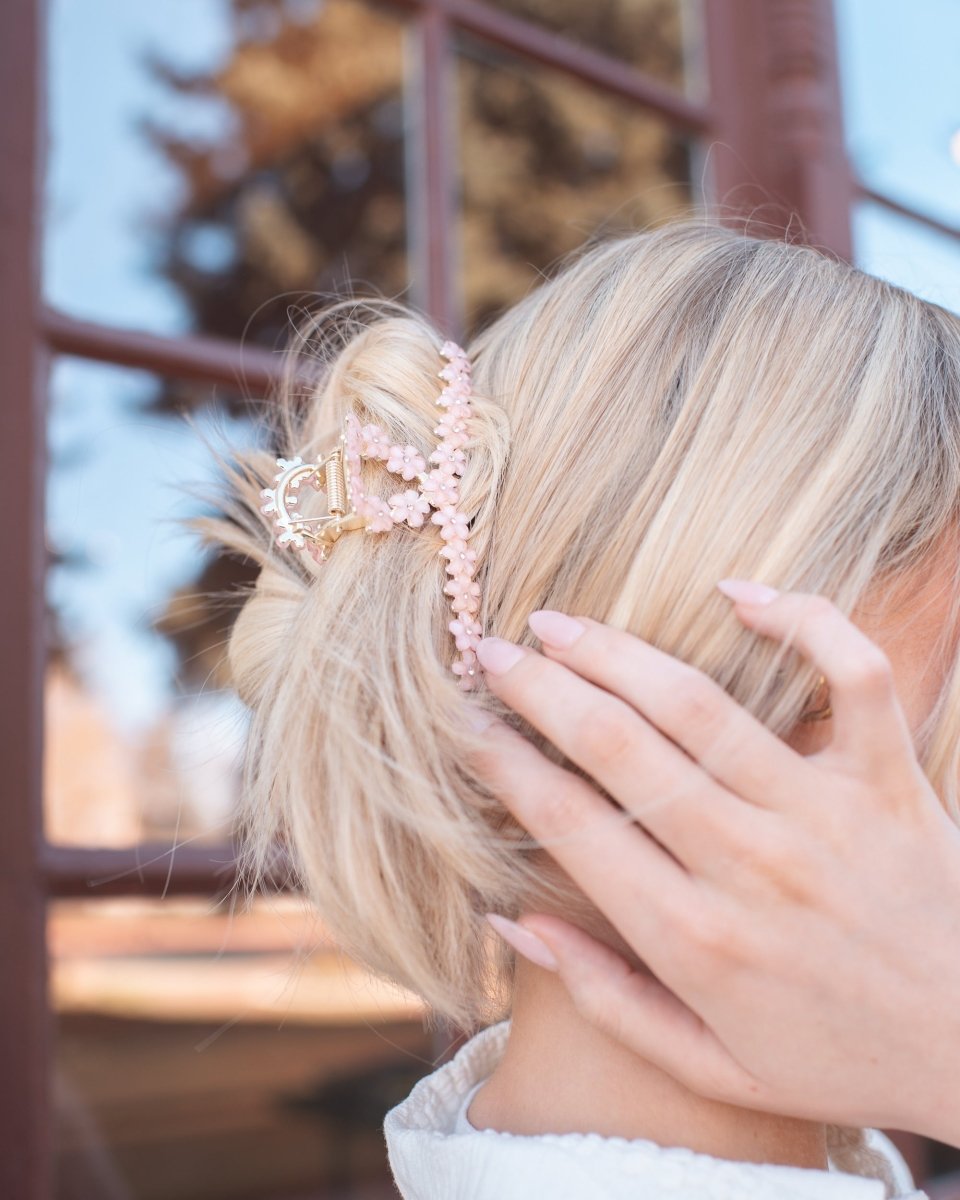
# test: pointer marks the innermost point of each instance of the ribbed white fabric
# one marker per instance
(436, 1154)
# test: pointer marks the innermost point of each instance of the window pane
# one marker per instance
(212, 160)
(548, 163)
(143, 736)
(907, 253)
(661, 37)
(205, 1054)
(901, 100)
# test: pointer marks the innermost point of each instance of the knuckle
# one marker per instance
(871, 671)
(708, 934)
(783, 870)
(561, 811)
(715, 935)
(775, 850)
(692, 702)
(608, 733)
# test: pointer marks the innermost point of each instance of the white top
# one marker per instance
(436, 1154)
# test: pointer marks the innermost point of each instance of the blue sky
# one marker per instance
(104, 181)
(900, 69)
(114, 495)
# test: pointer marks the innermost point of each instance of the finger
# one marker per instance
(642, 890)
(684, 703)
(869, 724)
(637, 1011)
(701, 824)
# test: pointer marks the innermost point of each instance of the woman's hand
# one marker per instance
(800, 915)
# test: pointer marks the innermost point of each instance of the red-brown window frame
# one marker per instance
(772, 122)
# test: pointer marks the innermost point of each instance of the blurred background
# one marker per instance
(179, 180)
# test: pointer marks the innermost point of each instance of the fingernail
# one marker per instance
(479, 719)
(747, 591)
(524, 942)
(555, 628)
(497, 655)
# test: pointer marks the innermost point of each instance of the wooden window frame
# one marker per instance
(917, 215)
(772, 123)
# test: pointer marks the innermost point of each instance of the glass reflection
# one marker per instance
(660, 37)
(202, 1053)
(901, 100)
(143, 735)
(213, 160)
(546, 164)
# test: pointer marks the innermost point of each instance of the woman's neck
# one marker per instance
(560, 1075)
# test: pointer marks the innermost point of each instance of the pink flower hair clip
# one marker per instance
(349, 506)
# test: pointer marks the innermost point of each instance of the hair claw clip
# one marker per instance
(350, 507)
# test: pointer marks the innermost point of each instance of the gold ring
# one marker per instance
(825, 711)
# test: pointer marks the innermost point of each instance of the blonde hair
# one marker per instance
(674, 407)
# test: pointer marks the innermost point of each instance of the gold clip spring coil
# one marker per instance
(336, 489)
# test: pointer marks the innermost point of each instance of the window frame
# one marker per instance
(772, 121)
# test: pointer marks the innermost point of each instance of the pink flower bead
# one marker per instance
(453, 460)
(374, 443)
(468, 670)
(382, 519)
(356, 483)
(465, 595)
(466, 631)
(445, 470)
(461, 559)
(406, 461)
(453, 430)
(466, 604)
(440, 487)
(409, 506)
(352, 439)
(455, 392)
(461, 409)
(459, 587)
(452, 522)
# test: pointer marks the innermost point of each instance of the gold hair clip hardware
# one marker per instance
(282, 501)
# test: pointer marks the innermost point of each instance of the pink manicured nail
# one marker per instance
(555, 628)
(497, 655)
(524, 942)
(747, 591)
